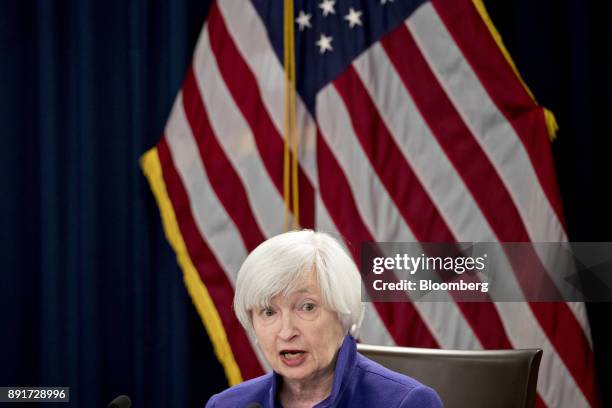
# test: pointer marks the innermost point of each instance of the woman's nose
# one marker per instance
(288, 329)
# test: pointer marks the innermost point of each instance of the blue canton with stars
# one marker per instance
(330, 34)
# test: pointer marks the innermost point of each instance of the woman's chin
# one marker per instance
(294, 374)
(294, 369)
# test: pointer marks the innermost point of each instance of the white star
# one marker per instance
(383, 2)
(303, 20)
(328, 7)
(324, 43)
(353, 17)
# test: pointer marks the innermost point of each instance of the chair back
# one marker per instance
(462, 378)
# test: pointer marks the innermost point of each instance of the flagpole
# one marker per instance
(290, 159)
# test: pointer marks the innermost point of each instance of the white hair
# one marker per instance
(278, 265)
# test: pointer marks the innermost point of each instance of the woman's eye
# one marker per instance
(308, 307)
(267, 312)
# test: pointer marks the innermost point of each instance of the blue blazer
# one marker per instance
(358, 382)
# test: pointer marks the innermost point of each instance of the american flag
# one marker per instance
(413, 125)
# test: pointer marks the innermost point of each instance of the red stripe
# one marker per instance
(221, 174)
(472, 36)
(463, 151)
(568, 338)
(491, 196)
(208, 267)
(243, 86)
(411, 199)
(401, 319)
(388, 161)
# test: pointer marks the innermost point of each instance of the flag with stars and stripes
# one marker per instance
(412, 125)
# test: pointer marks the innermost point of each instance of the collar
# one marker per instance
(347, 357)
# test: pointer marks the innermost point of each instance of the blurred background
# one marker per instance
(91, 295)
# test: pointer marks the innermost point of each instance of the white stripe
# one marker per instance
(579, 310)
(492, 131)
(251, 39)
(380, 214)
(236, 138)
(213, 222)
(373, 330)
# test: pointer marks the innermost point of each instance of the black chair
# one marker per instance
(474, 379)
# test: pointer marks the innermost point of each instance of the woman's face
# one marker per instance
(298, 334)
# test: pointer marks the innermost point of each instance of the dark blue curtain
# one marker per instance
(564, 52)
(91, 296)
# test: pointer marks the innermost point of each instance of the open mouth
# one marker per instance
(292, 354)
(292, 358)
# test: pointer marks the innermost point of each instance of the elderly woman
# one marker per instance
(299, 293)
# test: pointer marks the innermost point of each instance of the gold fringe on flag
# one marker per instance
(149, 162)
(549, 117)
